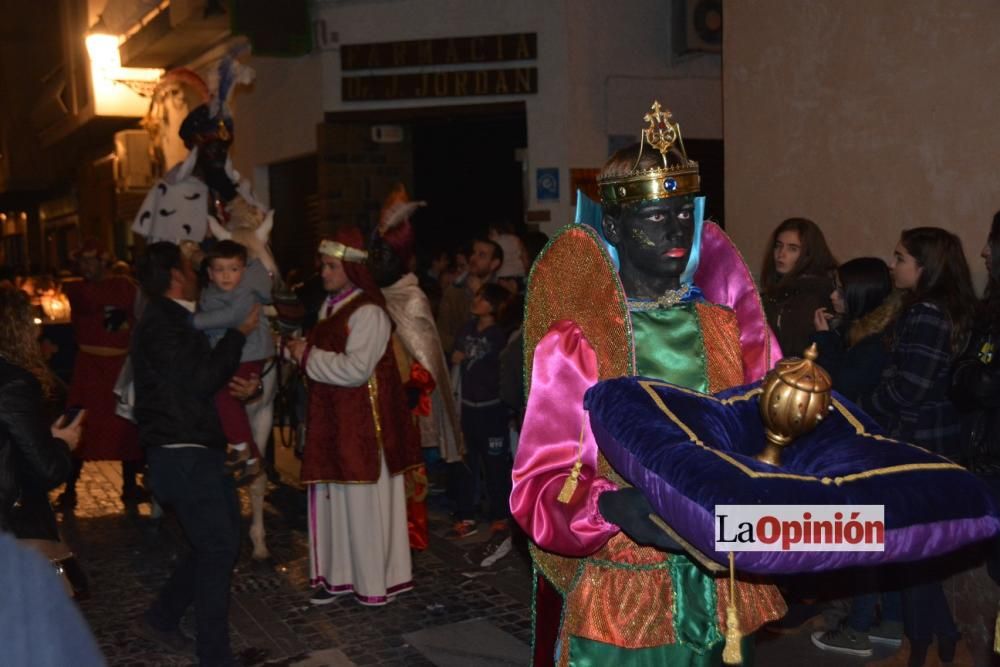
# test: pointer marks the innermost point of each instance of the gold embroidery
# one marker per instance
(648, 386)
(373, 399)
(570, 276)
(720, 333)
(356, 481)
(104, 351)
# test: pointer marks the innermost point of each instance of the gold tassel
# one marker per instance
(731, 654)
(569, 486)
(996, 635)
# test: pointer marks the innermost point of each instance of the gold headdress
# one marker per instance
(658, 182)
(342, 252)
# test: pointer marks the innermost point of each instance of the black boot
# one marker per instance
(66, 501)
(77, 577)
(131, 491)
(947, 646)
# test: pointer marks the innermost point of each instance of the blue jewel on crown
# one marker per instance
(670, 184)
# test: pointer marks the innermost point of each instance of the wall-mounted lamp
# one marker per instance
(118, 91)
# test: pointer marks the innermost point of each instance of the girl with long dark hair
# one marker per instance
(34, 457)
(976, 381)
(796, 280)
(854, 350)
(912, 400)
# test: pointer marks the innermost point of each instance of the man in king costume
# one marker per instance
(419, 356)
(621, 297)
(360, 438)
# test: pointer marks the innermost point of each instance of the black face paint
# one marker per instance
(654, 243)
(385, 266)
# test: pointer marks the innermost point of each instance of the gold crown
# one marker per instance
(344, 253)
(658, 182)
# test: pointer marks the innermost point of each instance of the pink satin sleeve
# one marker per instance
(724, 278)
(564, 367)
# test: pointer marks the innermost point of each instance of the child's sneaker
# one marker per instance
(843, 640)
(498, 546)
(236, 457)
(462, 529)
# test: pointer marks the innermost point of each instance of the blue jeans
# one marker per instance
(862, 615)
(927, 614)
(193, 481)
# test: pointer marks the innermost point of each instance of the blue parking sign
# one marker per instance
(547, 183)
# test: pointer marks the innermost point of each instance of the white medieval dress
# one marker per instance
(358, 540)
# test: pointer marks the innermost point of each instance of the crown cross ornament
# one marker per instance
(661, 133)
(669, 180)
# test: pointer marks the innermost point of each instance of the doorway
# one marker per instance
(462, 160)
(467, 169)
(292, 190)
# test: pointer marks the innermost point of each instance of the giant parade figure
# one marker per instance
(615, 600)
(200, 196)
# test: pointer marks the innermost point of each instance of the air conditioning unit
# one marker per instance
(697, 26)
(133, 161)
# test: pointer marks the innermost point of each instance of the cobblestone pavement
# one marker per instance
(127, 558)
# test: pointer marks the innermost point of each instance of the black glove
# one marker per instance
(629, 510)
(412, 396)
(114, 318)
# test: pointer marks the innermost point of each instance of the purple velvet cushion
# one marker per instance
(689, 452)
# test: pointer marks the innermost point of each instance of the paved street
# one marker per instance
(272, 621)
(127, 557)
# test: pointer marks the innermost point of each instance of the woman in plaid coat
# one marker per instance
(912, 399)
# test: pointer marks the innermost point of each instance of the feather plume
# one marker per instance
(397, 213)
(229, 73)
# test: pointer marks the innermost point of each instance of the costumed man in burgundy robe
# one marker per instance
(419, 356)
(102, 314)
(360, 438)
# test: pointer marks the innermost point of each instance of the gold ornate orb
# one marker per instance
(795, 396)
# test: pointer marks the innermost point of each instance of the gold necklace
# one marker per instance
(666, 300)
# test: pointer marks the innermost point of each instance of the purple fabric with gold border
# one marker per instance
(689, 452)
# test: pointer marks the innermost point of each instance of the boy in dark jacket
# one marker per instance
(484, 417)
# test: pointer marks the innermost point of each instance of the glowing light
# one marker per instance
(112, 97)
(55, 305)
